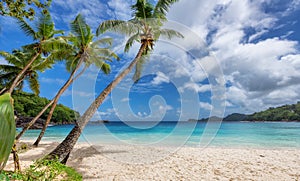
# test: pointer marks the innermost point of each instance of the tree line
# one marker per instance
(29, 105)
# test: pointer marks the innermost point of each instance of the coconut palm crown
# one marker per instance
(145, 27)
(46, 43)
(17, 61)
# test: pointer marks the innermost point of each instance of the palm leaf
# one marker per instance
(81, 30)
(34, 83)
(169, 33)
(161, 8)
(10, 58)
(130, 42)
(28, 30)
(139, 68)
(105, 68)
(102, 41)
(7, 128)
(118, 26)
(142, 9)
(45, 27)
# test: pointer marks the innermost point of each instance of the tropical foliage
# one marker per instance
(17, 60)
(140, 29)
(44, 170)
(29, 105)
(145, 27)
(45, 43)
(20, 8)
(7, 128)
(84, 50)
(282, 113)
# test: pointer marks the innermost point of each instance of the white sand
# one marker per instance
(121, 162)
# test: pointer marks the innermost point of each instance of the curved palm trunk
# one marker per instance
(18, 77)
(5, 88)
(56, 98)
(52, 102)
(34, 120)
(63, 150)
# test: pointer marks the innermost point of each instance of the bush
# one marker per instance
(44, 170)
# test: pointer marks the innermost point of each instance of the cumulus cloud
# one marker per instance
(260, 71)
(205, 105)
(160, 78)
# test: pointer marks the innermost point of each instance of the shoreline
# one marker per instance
(127, 162)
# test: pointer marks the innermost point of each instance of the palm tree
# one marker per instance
(17, 61)
(84, 51)
(141, 29)
(45, 42)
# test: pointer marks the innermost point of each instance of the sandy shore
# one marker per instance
(121, 162)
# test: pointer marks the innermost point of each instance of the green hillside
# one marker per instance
(27, 104)
(282, 113)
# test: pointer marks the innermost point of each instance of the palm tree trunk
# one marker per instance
(18, 77)
(48, 105)
(34, 120)
(63, 150)
(56, 98)
(5, 88)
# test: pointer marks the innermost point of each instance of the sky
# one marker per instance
(236, 56)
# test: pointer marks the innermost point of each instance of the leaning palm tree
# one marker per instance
(87, 52)
(17, 61)
(84, 51)
(45, 42)
(142, 29)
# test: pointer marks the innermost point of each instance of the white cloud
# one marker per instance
(52, 80)
(160, 78)
(206, 106)
(126, 99)
(163, 109)
(121, 9)
(196, 87)
(261, 72)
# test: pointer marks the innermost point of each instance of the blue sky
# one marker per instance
(237, 56)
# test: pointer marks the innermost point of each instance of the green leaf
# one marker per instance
(7, 128)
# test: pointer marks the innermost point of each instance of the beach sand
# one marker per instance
(128, 162)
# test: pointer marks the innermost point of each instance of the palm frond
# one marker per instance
(10, 58)
(45, 63)
(103, 42)
(130, 42)
(169, 33)
(105, 68)
(139, 68)
(71, 64)
(7, 128)
(45, 26)
(28, 30)
(55, 44)
(81, 30)
(161, 9)
(117, 26)
(104, 52)
(34, 83)
(10, 68)
(142, 9)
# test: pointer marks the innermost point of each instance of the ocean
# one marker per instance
(191, 134)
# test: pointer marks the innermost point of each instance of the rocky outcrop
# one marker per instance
(22, 121)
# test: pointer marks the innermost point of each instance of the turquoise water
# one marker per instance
(228, 134)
